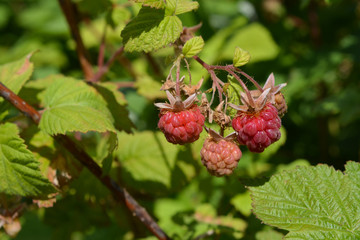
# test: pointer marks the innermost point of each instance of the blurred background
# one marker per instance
(312, 45)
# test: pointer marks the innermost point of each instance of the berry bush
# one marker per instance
(179, 119)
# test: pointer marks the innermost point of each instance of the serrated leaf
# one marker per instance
(71, 105)
(151, 3)
(193, 47)
(19, 171)
(14, 75)
(311, 202)
(150, 30)
(180, 6)
(241, 57)
(116, 103)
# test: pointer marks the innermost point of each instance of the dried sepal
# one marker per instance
(205, 108)
(217, 137)
(189, 90)
(176, 104)
(220, 116)
(252, 106)
(270, 83)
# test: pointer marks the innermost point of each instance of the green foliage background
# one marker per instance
(313, 46)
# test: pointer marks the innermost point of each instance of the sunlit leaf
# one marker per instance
(71, 105)
(19, 171)
(193, 47)
(311, 202)
(181, 6)
(150, 30)
(14, 75)
(241, 57)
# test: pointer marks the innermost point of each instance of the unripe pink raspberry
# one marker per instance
(183, 126)
(220, 156)
(180, 121)
(258, 130)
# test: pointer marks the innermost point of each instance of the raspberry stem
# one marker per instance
(177, 88)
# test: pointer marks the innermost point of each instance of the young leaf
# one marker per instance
(152, 3)
(241, 57)
(14, 75)
(71, 105)
(193, 47)
(150, 30)
(311, 202)
(19, 171)
(180, 6)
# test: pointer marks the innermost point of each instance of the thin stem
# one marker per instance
(154, 65)
(251, 100)
(102, 49)
(119, 193)
(229, 69)
(107, 65)
(250, 78)
(188, 68)
(177, 87)
(215, 80)
(70, 12)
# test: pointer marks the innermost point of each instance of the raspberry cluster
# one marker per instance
(256, 124)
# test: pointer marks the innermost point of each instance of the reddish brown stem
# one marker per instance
(106, 66)
(257, 85)
(70, 12)
(102, 49)
(229, 69)
(119, 193)
(154, 65)
(177, 87)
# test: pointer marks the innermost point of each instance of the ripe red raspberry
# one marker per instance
(180, 127)
(259, 129)
(220, 157)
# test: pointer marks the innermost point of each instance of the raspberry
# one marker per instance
(258, 130)
(220, 157)
(180, 127)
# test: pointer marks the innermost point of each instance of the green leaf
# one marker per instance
(147, 158)
(256, 39)
(150, 30)
(151, 3)
(180, 6)
(145, 84)
(14, 75)
(193, 47)
(242, 203)
(144, 156)
(72, 105)
(19, 171)
(116, 103)
(311, 202)
(269, 234)
(233, 89)
(241, 57)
